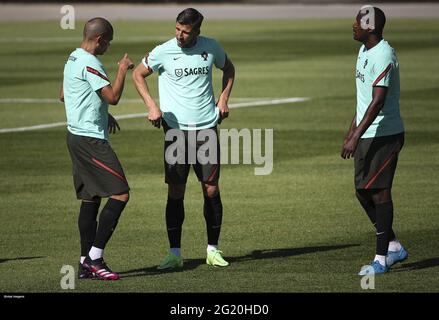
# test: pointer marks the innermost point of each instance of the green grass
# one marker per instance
(299, 229)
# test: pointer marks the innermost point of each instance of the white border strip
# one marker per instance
(142, 115)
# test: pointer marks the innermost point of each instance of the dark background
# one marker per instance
(217, 1)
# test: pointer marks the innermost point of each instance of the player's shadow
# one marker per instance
(423, 264)
(19, 258)
(190, 264)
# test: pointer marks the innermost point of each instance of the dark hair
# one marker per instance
(190, 16)
(97, 27)
(380, 21)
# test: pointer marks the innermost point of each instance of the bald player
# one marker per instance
(97, 172)
(376, 134)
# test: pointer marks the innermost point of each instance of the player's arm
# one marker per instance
(61, 92)
(112, 94)
(352, 127)
(378, 99)
(228, 79)
(139, 75)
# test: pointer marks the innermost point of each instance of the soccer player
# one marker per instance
(376, 134)
(97, 172)
(187, 104)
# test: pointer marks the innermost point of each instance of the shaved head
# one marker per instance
(97, 27)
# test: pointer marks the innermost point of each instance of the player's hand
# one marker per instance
(126, 62)
(223, 110)
(112, 124)
(346, 139)
(349, 147)
(155, 117)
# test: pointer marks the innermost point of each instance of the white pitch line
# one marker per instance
(28, 100)
(268, 102)
(56, 101)
(142, 115)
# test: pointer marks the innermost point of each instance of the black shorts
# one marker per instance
(375, 161)
(177, 173)
(96, 170)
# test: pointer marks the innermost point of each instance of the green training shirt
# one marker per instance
(87, 112)
(185, 82)
(379, 66)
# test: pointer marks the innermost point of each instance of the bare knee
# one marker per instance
(121, 197)
(210, 190)
(176, 191)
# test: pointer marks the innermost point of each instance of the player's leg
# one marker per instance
(87, 225)
(394, 252)
(208, 173)
(174, 216)
(108, 220)
(366, 201)
(384, 218)
(101, 176)
(377, 178)
(176, 177)
(213, 214)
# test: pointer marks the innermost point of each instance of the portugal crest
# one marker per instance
(178, 72)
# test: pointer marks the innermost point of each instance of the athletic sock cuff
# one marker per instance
(90, 205)
(115, 205)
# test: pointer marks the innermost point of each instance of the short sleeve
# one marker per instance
(382, 72)
(153, 60)
(96, 75)
(219, 54)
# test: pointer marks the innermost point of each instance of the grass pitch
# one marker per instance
(299, 229)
